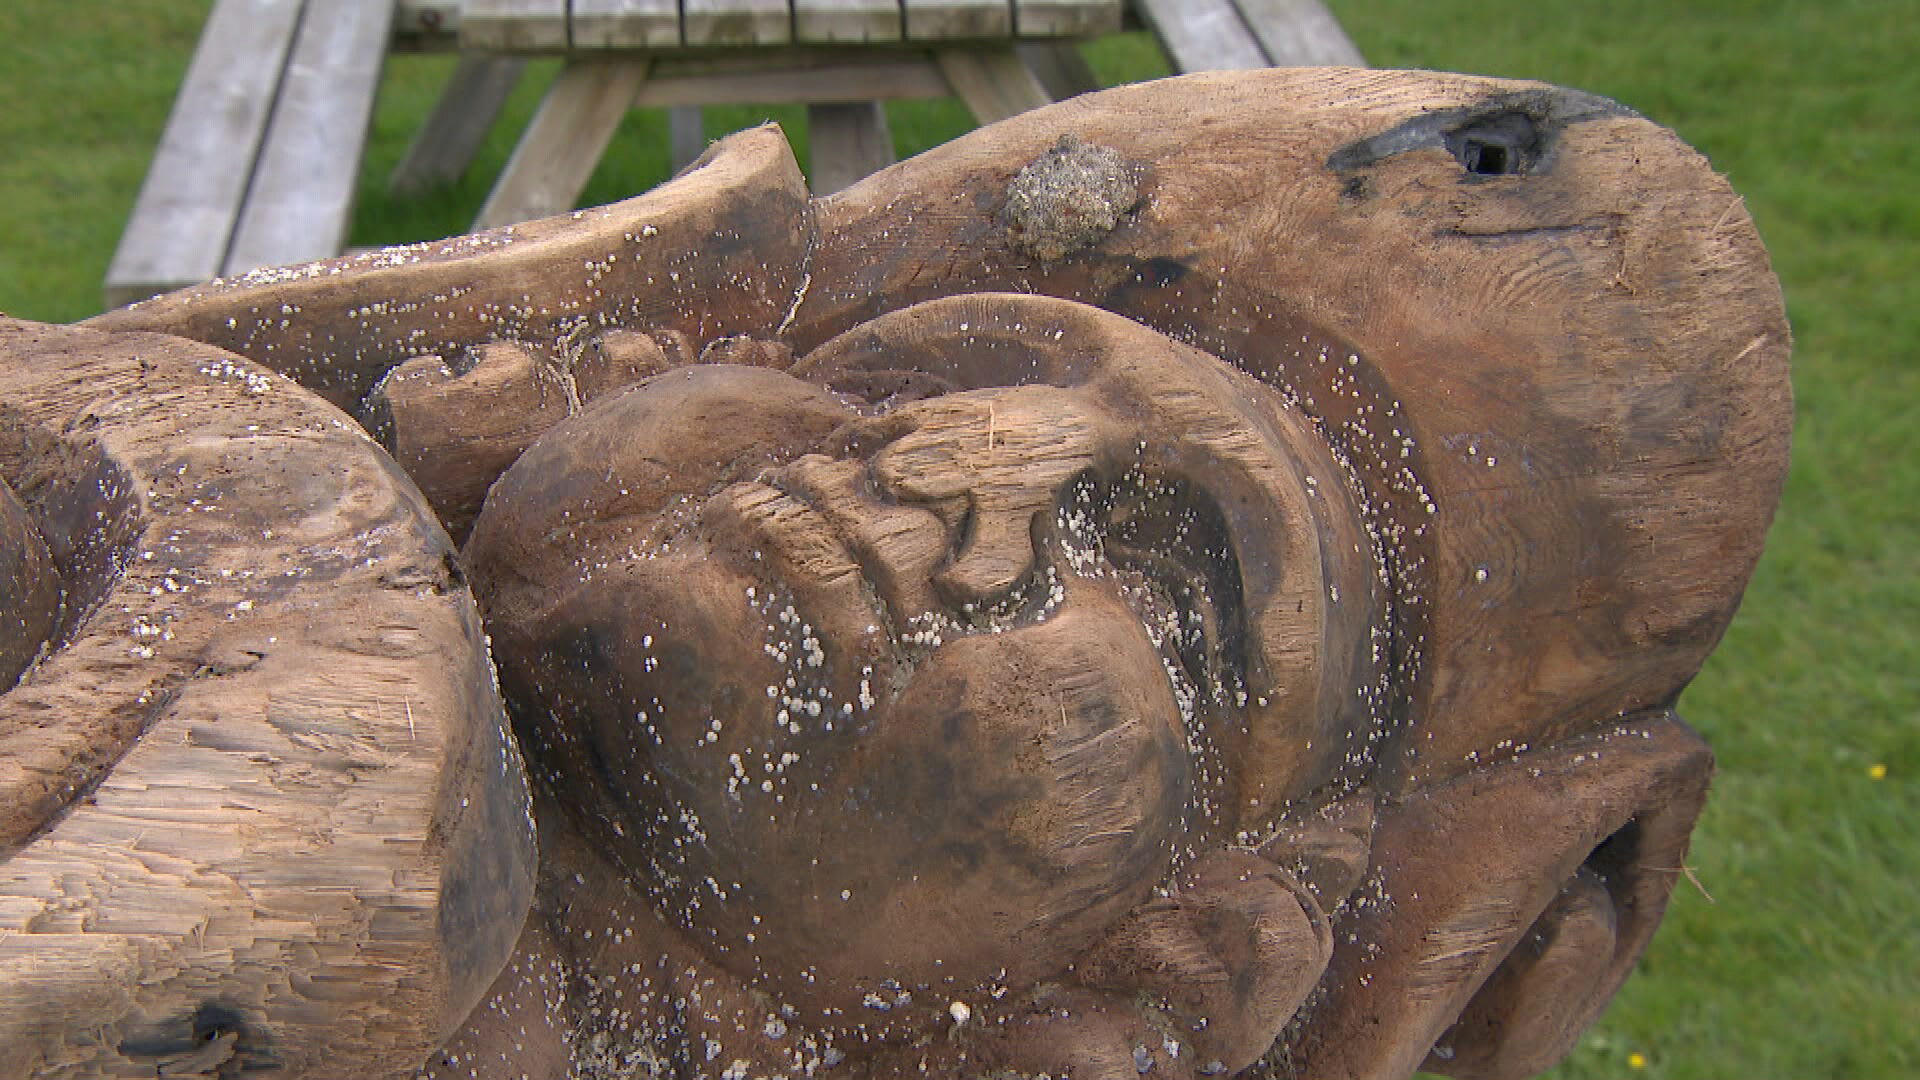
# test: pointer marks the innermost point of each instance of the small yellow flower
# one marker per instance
(1636, 1060)
(1876, 771)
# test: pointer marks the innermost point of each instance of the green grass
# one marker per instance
(1807, 963)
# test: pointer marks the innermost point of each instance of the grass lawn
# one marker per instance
(1806, 962)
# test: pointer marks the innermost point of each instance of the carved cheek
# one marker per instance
(1021, 794)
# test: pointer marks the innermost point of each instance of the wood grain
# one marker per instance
(948, 20)
(514, 25)
(1562, 554)
(676, 259)
(279, 805)
(841, 21)
(1531, 365)
(736, 22)
(630, 24)
(1066, 18)
(1300, 33)
(1202, 35)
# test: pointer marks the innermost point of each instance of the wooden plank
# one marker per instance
(1066, 18)
(630, 24)
(1202, 35)
(185, 213)
(993, 83)
(301, 200)
(735, 22)
(1300, 33)
(447, 142)
(873, 81)
(565, 141)
(514, 25)
(846, 144)
(835, 21)
(949, 20)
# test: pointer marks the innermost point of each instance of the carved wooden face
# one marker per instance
(915, 671)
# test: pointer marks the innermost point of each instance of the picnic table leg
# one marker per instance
(847, 142)
(1060, 67)
(993, 83)
(447, 142)
(565, 142)
(686, 135)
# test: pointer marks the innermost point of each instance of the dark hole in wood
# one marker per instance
(1616, 856)
(1487, 159)
(1505, 143)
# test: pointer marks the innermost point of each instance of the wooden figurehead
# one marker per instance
(1190, 581)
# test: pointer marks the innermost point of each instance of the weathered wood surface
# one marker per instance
(545, 26)
(837, 21)
(31, 585)
(189, 203)
(300, 198)
(1538, 343)
(821, 77)
(713, 254)
(944, 20)
(1066, 18)
(1497, 256)
(735, 22)
(1202, 35)
(613, 24)
(1579, 598)
(258, 808)
(1299, 33)
(514, 25)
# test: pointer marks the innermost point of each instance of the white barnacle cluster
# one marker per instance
(227, 369)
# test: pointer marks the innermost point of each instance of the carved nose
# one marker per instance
(993, 560)
(988, 462)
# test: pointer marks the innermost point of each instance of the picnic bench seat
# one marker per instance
(260, 157)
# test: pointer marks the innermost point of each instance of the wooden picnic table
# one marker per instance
(840, 58)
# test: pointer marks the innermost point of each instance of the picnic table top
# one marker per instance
(574, 25)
